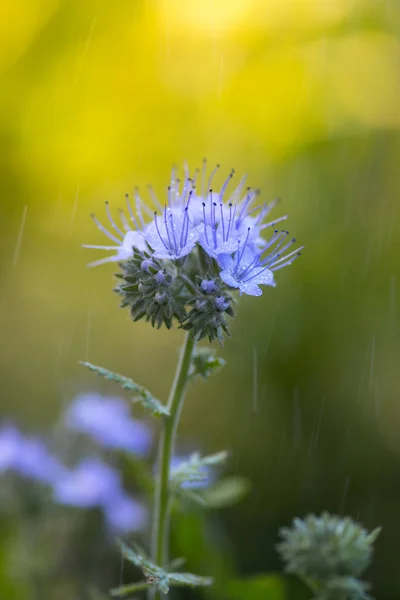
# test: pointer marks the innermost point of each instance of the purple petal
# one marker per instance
(124, 515)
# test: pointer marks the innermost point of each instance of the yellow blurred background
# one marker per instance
(303, 95)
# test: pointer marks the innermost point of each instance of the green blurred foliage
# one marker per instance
(98, 97)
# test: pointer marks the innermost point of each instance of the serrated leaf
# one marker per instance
(142, 395)
(188, 579)
(226, 492)
(155, 575)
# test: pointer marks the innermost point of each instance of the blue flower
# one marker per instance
(126, 238)
(27, 456)
(208, 475)
(125, 515)
(107, 420)
(247, 270)
(91, 483)
(172, 236)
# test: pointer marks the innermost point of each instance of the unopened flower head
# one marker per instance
(327, 546)
(198, 234)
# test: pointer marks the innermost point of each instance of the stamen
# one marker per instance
(169, 196)
(223, 222)
(212, 175)
(277, 234)
(214, 224)
(255, 275)
(185, 228)
(288, 256)
(133, 218)
(238, 190)
(153, 196)
(250, 267)
(166, 227)
(104, 230)
(124, 222)
(240, 254)
(288, 262)
(222, 192)
(251, 194)
(245, 242)
(158, 231)
(113, 224)
(231, 219)
(138, 207)
(205, 222)
(176, 247)
(94, 247)
(186, 170)
(271, 259)
(273, 223)
(195, 176)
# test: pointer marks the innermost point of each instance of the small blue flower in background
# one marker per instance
(93, 484)
(27, 456)
(206, 481)
(125, 515)
(107, 420)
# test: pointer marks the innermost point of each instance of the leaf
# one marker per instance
(205, 363)
(143, 395)
(155, 575)
(226, 492)
(188, 579)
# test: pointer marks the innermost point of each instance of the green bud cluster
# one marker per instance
(330, 551)
(187, 291)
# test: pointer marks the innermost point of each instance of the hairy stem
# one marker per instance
(166, 447)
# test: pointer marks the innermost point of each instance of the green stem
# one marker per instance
(166, 448)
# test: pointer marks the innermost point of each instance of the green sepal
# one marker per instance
(142, 395)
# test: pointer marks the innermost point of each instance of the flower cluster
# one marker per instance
(91, 483)
(331, 553)
(182, 260)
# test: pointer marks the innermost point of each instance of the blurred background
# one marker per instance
(98, 97)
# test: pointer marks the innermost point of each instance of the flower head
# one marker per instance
(326, 547)
(249, 267)
(91, 483)
(200, 234)
(27, 456)
(125, 515)
(107, 420)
